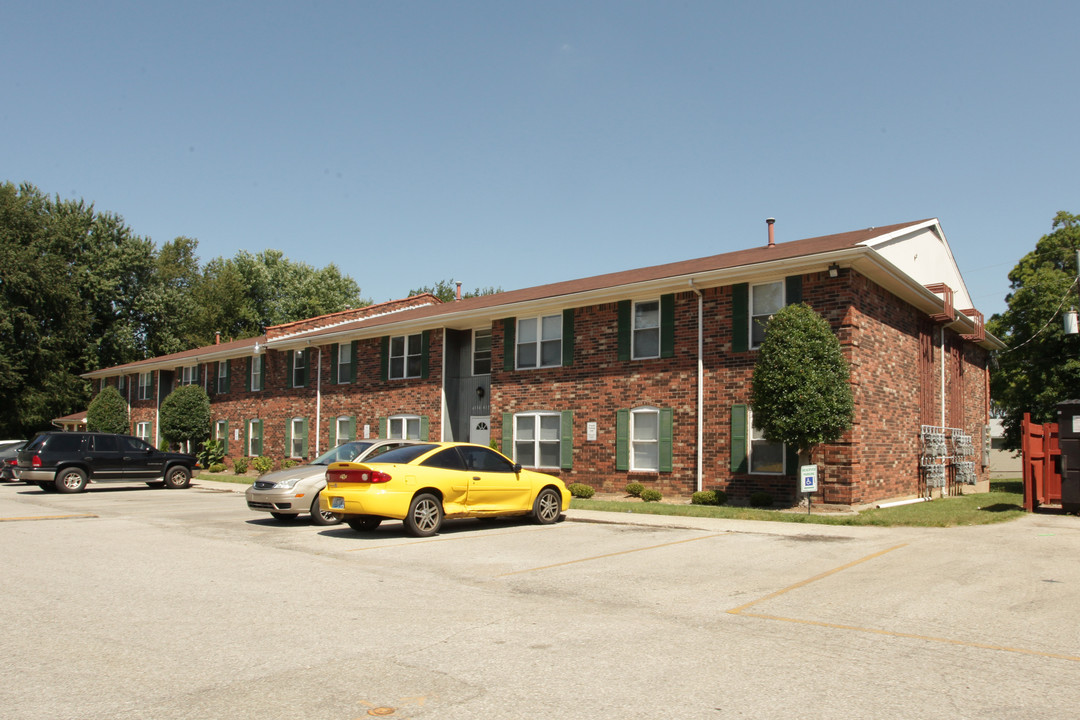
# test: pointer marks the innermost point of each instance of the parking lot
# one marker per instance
(130, 602)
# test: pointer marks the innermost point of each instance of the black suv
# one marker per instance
(66, 461)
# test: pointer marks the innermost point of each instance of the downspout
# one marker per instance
(700, 382)
(943, 376)
(157, 413)
(318, 399)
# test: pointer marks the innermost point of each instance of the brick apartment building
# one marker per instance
(642, 375)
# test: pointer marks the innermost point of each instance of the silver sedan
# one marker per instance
(286, 494)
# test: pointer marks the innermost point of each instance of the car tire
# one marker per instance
(318, 517)
(425, 516)
(70, 480)
(364, 523)
(177, 477)
(547, 507)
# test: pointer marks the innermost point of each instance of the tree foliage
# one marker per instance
(185, 415)
(1041, 366)
(446, 290)
(108, 412)
(801, 391)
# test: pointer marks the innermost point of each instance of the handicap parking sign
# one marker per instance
(808, 476)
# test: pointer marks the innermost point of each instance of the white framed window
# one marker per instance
(481, 362)
(189, 374)
(766, 300)
(256, 372)
(254, 438)
(299, 368)
(297, 434)
(121, 383)
(405, 351)
(344, 363)
(343, 429)
(145, 385)
(646, 330)
(537, 439)
(221, 430)
(539, 342)
(223, 376)
(645, 439)
(766, 457)
(404, 427)
(142, 431)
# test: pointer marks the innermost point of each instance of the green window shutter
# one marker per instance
(425, 348)
(225, 438)
(665, 439)
(739, 437)
(195, 380)
(508, 434)
(247, 376)
(384, 361)
(793, 289)
(333, 363)
(259, 434)
(625, 331)
(383, 429)
(228, 376)
(566, 444)
(289, 355)
(791, 460)
(568, 337)
(308, 369)
(247, 439)
(352, 427)
(333, 432)
(304, 445)
(667, 326)
(740, 317)
(509, 331)
(352, 365)
(622, 439)
(288, 438)
(424, 427)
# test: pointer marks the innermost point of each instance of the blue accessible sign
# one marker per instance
(808, 477)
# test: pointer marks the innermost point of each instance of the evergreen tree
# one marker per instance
(108, 412)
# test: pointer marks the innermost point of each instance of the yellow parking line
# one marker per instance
(741, 610)
(47, 517)
(614, 554)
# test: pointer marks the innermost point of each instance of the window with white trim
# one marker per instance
(223, 376)
(344, 363)
(537, 439)
(766, 300)
(142, 431)
(298, 436)
(343, 430)
(299, 368)
(256, 372)
(189, 374)
(145, 384)
(221, 430)
(254, 436)
(481, 363)
(539, 342)
(404, 427)
(646, 330)
(766, 457)
(405, 352)
(645, 439)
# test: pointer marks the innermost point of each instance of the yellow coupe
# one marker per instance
(422, 484)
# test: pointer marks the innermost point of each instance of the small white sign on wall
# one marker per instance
(590, 431)
(367, 432)
(236, 434)
(1076, 423)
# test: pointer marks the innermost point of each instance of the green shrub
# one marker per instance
(634, 489)
(240, 465)
(217, 468)
(108, 412)
(580, 490)
(703, 497)
(651, 495)
(211, 453)
(761, 499)
(263, 464)
(288, 463)
(721, 497)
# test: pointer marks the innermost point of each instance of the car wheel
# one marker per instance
(70, 480)
(177, 477)
(425, 516)
(320, 517)
(364, 523)
(548, 506)
(284, 517)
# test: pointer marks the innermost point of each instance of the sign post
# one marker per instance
(808, 476)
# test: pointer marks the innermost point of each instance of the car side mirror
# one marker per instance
(517, 468)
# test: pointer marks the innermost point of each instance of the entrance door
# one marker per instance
(480, 429)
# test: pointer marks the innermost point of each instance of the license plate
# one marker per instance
(337, 503)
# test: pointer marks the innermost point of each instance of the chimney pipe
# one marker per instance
(217, 338)
(772, 237)
(457, 295)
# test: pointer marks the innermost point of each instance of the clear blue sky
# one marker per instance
(514, 144)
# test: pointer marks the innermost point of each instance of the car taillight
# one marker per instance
(349, 475)
(36, 461)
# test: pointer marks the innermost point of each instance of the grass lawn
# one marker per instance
(1005, 501)
(226, 477)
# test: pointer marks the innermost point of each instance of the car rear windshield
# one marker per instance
(405, 454)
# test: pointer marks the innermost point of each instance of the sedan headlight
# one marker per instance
(286, 484)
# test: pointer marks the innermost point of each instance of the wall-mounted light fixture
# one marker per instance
(834, 270)
(479, 392)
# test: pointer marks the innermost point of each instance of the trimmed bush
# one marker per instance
(240, 465)
(650, 495)
(263, 464)
(634, 489)
(703, 497)
(107, 412)
(721, 497)
(580, 490)
(761, 499)
(217, 468)
(288, 463)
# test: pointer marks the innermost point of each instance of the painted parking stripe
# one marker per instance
(742, 611)
(614, 554)
(47, 517)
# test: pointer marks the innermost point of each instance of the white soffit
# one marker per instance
(922, 252)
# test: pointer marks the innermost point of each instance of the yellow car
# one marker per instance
(422, 484)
